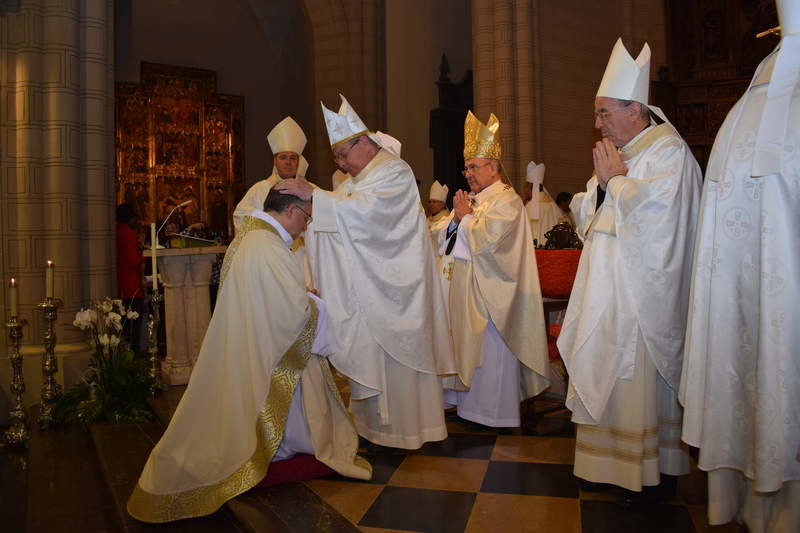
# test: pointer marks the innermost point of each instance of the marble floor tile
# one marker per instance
(534, 449)
(465, 446)
(351, 500)
(534, 479)
(443, 473)
(511, 513)
(431, 511)
(607, 517)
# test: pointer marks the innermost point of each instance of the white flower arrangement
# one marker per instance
(105, 320)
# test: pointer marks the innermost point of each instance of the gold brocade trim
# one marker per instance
(662, 130)
(616, 453)
(620, 434)
(249, 224)
(270, 425)
(350, 138)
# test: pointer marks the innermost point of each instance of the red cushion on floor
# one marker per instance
(301, 467)
(553, 330)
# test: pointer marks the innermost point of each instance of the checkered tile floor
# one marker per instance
(479, 480)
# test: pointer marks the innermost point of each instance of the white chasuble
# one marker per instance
(544, 218)
(230, 421)
(495, 292)
(374, 266)
(633, 274)
(741, 376)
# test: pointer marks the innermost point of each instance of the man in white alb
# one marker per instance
(542, 210)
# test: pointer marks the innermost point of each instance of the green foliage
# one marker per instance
(116, 387)
(116, 391)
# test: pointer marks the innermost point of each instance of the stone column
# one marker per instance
(504, 77)
(56, 166)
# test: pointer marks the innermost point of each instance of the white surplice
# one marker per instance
(543, 216)
(495, 307)
(741, 377)
(374, 265)
(629, 300)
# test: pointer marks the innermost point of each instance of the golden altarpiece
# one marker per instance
(177, 140)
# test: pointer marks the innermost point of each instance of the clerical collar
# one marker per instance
(269, 219)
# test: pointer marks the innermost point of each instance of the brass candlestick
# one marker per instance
(152, 330)
(17, 434)
(51, 390)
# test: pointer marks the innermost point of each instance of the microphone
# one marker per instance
(180, 205)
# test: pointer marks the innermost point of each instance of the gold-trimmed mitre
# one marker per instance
(479, 140)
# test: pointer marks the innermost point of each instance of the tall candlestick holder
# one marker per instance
(51, 390)
(152, 330)
(17, 434)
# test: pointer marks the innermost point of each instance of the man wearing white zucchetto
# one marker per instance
(374, 263)
(740, 386)
(622, 336)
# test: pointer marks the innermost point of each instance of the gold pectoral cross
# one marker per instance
(448, 271)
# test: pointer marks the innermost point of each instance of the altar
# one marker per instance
(186, 277)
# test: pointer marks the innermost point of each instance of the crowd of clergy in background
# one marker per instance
(681, 328)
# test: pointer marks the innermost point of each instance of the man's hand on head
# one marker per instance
(299, 187)
(607, 162)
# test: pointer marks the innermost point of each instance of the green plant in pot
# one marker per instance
(116, 386)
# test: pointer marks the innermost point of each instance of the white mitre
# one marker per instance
(438, 192)
(535, 174)
(287, 136)
(387, 142)
(772, 130)
(338, 178)
(344, 125)
(302, 167)
(626, 78)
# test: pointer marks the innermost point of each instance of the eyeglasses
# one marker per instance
(473, 168)
(341, 156)
(603, 114)
(309, 219)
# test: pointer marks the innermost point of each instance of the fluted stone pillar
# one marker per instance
(503, 52)
(56, 167)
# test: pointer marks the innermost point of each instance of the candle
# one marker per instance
(49, 278)
(12, 289)
(153, 244)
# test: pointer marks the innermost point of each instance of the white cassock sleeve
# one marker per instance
(324, 341)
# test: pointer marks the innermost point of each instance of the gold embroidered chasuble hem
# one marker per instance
(269, 428)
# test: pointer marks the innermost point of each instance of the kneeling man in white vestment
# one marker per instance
(261, 389)
(495, 300)
(622, 337)
(374, 265)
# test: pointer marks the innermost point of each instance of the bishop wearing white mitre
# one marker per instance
(287, 142)
(374, 265)
(622, 336)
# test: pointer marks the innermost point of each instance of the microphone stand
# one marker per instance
(179, 206)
